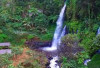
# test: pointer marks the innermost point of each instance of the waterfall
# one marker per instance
(98, 32)
(62, 34)
(53, 63)
(58, 31)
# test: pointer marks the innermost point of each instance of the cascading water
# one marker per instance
(58, 31)
(98, 31)
(62, 34)
(53, 63)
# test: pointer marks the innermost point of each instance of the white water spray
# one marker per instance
(53, 63)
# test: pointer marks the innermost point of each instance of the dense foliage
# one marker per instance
(22, 20)
(28, 17)
(83, 19)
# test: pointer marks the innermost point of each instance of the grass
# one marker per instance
(23, 57)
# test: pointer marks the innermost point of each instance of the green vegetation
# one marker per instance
(22, 20)
(95, 63)
(18, 17)
(83, 18)
(23, 58)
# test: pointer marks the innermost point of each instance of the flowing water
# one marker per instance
(53, 63)
(62, 34)
(98, 31)
(59, 32)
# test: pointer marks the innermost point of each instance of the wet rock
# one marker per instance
(57, 61)
(47, 65)
(50, 58)
(26, 64)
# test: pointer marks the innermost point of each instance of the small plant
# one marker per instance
(30, 36)
(23, 41)
(3, 37)
(16, 50)
(47, 37)
(10, 66)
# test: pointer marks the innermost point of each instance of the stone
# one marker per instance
(4, 51)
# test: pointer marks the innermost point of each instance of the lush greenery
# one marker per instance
(95, 63)
(18, 17)
(22, 20)
(83, 19)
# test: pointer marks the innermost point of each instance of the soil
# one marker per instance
(21, 58)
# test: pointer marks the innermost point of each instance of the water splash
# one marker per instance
(86, 61)
(53, 63)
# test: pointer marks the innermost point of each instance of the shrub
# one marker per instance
(95, 62)
(95, 45)
(30, 36)
(69, 47)
(3, 37)
(71, 64)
